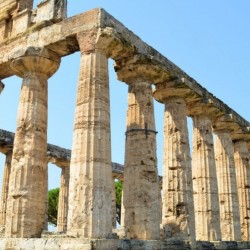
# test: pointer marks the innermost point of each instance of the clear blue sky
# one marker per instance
(210, 40)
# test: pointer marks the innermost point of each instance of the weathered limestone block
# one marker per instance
(141, 199)
(228, 197)
(90, 188)
(53, 10)
(26, 201)
(205, 188)
(177, 191)
(5, 188)
(62, 214)
(21, 22)
(242, 158)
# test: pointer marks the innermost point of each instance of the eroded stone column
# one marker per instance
(90, 188)
(62, 213)
(141, 189)
(177, 191)
(205, 187)
(113, 205)
(228, 198)
(242, 158)
(26, 200)
(5, 188)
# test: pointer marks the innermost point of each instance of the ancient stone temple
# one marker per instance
(202, 201)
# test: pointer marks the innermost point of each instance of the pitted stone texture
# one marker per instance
(90, 188)
(205, 188)
(26, 201)
(62, 213)
(177, 192)
(228, 197)
(113, 205)
(241, 158)
(140, 188)
(5, 188)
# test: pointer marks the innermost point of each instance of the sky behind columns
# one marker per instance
(209, 40)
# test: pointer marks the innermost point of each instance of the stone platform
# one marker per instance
(56, 242)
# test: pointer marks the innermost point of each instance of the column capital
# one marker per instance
(241, 134)
(37, 61)
(172, 89)
(226, 123)
(204, 107)
(140, 67)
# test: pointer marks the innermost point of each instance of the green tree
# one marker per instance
(118, 194)
(53, 197)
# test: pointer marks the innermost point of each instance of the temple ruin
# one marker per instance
(203, 199)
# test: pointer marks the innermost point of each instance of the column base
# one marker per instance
(59, 242)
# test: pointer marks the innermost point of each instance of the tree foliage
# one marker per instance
(53, 197)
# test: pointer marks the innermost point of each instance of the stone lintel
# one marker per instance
(55, 154)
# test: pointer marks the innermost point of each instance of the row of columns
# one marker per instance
(203, 190)
(213, 175)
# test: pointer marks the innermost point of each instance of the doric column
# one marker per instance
(177, 192)
(205, 187)
(5, 188)
(242, 158)
(62, 213)
(90, 188)
(141, 189)
(113, 205)
(26, 200)
(228, 197)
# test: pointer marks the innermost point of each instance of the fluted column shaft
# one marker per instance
(90, 188)
(113, 205)
(62, 213)
(228, 198)
(141, 189)
(241, 158)
(177, 192)
(26, 200)
(5, 188)
(205, 188)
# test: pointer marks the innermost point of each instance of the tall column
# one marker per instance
(241, 157)
(205, 188)
(62, 213)
(228, 198)
(177, 191)
(141, 189)
(5, 188)
(26, 201)
(113, 205)
(90, 188)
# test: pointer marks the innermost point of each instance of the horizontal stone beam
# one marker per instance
(106, 33)
(55, 155)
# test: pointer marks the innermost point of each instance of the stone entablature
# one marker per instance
(204, 199)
